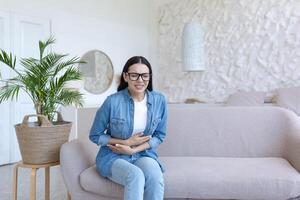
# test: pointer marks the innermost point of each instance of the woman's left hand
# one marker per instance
(121, 149)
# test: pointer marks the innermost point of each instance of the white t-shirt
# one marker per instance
(140, 116)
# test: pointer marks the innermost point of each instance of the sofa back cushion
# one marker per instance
(195, 130)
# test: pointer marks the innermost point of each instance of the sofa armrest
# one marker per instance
(73, 161)
(293, 143)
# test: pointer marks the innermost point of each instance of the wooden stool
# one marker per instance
(34, 169)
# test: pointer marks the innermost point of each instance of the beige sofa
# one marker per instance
(209, 153)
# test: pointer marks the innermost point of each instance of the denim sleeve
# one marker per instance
(98, 131)
(160, 132)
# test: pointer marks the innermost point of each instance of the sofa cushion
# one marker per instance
(230, 178)
(214, 177)
(228, 131)
(289, 98)
(91, 181)
(246, 99)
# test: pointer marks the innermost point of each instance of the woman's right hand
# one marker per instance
(137, 139)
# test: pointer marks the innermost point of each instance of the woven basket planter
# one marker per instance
(41, 144)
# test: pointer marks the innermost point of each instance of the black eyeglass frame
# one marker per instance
(139, 75)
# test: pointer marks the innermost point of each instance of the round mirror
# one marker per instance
(97, 72)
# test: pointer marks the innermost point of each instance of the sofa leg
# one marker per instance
(69, 196)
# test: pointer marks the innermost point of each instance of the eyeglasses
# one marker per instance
(136, 76)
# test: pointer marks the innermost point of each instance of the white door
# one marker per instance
(25, 32)
(4, 107)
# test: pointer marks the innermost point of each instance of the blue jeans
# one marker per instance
(142, 179)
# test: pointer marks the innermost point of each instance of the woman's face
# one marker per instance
(137, 78)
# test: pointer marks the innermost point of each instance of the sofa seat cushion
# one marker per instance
(214, 178)
(91, 181)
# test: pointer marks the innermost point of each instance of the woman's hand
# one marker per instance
(121, 149)
(137, 139)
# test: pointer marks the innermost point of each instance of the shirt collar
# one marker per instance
(148, 93)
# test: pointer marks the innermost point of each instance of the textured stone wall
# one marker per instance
(250, 45)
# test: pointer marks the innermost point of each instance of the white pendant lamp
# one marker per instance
(192, 47)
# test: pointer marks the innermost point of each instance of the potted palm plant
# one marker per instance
(44, 81)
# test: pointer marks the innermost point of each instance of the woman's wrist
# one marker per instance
(119, 141)
(127, 142)
(134, 150)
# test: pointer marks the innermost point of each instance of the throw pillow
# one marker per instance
(289, 98)
(246, 99)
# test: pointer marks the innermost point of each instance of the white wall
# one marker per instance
(117, 27)
(249, 45)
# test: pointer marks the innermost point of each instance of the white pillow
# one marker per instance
(289, 98)
(246, 99)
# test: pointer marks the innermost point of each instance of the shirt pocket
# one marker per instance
(154, 125)
(117, 127)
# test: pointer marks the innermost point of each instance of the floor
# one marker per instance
(57, 188)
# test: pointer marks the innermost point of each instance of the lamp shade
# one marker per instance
(192, 47)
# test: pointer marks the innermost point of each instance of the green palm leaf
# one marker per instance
(43, 45)
(68, 96)
(9, 91)
(8, 59)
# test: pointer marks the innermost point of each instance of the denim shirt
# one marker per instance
(114, 119)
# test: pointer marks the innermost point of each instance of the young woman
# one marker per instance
(129, 126)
